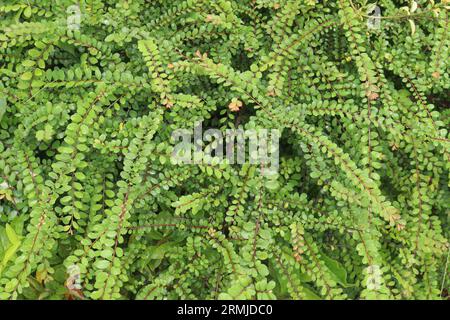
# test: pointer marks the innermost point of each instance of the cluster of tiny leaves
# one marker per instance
(357, 210)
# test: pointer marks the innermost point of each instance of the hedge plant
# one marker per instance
(358, 208)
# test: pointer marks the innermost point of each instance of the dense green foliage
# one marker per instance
(359, 209)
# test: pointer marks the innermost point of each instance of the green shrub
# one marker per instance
(91, 205)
